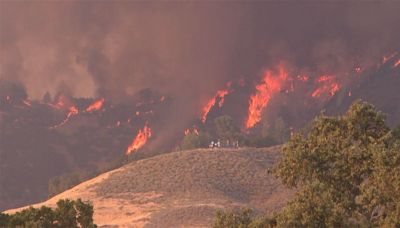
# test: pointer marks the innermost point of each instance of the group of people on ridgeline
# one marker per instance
(227, 144)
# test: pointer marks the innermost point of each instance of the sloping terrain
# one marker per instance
(183, 189)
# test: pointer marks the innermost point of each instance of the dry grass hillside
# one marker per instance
(183, 189)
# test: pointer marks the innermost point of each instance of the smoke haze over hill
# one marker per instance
(163, 67)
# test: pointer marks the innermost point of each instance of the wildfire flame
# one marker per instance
(194, 130)
(327, 86)
(72, 111)
(303, 78)
(270, 85)
(388, 57)
(95, 106)
(358, 70)
(396, 64)
(27, 103)
(219, 95)
(61, 102)
(140, 140)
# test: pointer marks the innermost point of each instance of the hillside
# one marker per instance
(183, 189)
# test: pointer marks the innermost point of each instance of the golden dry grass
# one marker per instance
(183, 189)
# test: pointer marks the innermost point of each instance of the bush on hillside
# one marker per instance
(67, 214)
(226, 128)
(195, 140)
(244, 218)
(346, 170)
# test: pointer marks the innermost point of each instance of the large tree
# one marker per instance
(347, 172)
(226, 128)
(67, 214)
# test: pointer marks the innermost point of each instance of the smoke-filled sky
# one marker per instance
(186, 50)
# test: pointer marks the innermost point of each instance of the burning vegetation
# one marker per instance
(326, 85)
(140, 140)
(220, 97)
(95, 106)
(78, 89)
(272, 83)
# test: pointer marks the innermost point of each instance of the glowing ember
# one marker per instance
(327, 86)
(396, 64)
(140, 139)
(61, 102)
(27, 103)
(194, 130)
(206, 109)
(303, 78)
(325, 78)
(388, 57)
(270, 85)
(358, 70)
(95, 106)
(72, 112)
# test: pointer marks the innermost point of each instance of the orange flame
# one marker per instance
(95, 106)
(61, 102)
(328, 86)
(140, 139)
(270, 85)
(303, 78)
(27, 103)
(388, 57)
(396, 64)
(72, 112)
(195, 130)
(187, 131)
(206, 109)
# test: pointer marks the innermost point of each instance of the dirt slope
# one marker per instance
(182, 189)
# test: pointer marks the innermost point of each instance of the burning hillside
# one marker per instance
(96, 83)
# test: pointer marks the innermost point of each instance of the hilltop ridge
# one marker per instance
(183, 188)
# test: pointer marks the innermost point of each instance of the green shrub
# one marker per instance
(67, 214)
(244, 218)
(347, 172)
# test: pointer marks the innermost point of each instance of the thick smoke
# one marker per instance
(184, 50)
